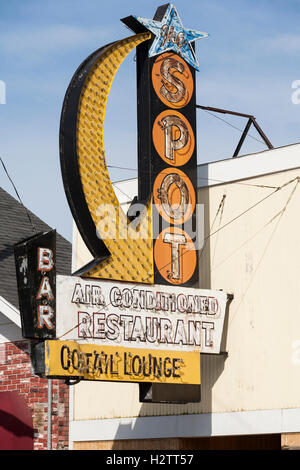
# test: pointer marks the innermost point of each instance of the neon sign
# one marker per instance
(166, 153)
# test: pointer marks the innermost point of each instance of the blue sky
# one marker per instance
(247, 64)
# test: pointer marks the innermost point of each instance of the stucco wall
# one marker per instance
(252, 250)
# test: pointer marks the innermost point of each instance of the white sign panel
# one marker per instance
(142, 316)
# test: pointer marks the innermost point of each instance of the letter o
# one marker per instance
(75, 352)
(139, 365)
(116, 297)
(174, 195)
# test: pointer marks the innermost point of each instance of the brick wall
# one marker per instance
(16, 375)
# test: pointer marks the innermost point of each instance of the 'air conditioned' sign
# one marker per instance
(151, 317)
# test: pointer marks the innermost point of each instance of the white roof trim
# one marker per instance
(249, 166)
(10, 311)
(251, 422)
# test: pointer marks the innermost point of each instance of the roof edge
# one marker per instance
(10, 311)
(249, 166)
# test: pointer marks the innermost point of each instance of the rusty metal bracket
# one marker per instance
(251, 120)
(72, 380)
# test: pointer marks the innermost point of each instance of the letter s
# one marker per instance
(166, 66)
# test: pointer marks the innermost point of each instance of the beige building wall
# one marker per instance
(251, 250)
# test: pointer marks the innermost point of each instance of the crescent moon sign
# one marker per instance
(120, 251)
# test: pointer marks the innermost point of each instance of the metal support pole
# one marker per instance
(49, 422)
(224, 111)
(243, 138)
(251, 120)
(259, 130)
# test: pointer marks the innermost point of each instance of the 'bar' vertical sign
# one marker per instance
(35, 260)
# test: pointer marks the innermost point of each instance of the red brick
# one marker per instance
(16, 375)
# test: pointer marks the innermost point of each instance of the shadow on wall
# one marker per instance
(177, 426)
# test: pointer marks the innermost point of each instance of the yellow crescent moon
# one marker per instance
(131, 252)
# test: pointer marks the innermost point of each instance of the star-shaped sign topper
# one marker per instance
(171, 35)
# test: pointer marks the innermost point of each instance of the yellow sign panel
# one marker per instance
(96, 362)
